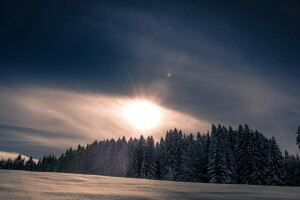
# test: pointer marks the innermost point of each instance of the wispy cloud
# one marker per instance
(55, 119)
(12, 155)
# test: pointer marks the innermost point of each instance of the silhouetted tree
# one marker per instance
(30, 165)
(276, 173)
(298, 137)
(224, 156)
(19, 163)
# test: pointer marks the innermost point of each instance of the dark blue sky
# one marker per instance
(231, 61)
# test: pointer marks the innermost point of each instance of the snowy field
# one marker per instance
(43, 186)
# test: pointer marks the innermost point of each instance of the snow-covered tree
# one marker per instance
(258, 159)
(19, 163)
(138, 158)
(224, 156)
(161, 158)
(298, 137)
(244, 154)
(218, 170)
(121, 157)
(275, 173)
(188, 170)
(173, 154)
(150, 165)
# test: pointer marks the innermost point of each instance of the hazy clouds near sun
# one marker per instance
(13, 155)
(47, 120)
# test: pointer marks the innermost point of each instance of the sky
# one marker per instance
(69, 67)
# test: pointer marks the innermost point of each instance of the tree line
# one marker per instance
(223, 155)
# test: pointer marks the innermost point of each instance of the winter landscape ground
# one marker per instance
(44, 185)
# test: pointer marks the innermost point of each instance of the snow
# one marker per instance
(44, 185)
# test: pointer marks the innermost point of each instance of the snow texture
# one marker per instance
(15, 185)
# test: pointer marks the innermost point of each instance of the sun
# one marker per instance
(142, 114)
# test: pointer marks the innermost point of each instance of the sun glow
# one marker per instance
(143, 115)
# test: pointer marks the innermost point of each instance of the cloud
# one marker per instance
(43, 119)
(12, 155)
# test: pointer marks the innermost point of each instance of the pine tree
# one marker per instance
(150, 164)
(30, 165)
(9, 164)
(161, 158)
(205, 153)
(276, 173)
(2, 163)
(292, 167)
(298, 137)
(78, 159)
(173, 154)
(218, 170)
(227, 137)
(200, 158)
(132, 145)
(188, 170)
(258, 159)
(225, 156)
(138, 159)
(110, 165)
(121, 157)
(19, 163)
(244, 154)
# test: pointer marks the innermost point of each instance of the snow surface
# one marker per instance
(44, 185)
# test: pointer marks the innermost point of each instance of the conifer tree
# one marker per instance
(276, 173)
(150, 167)
(298, 137)
(2, 163)
(218, 170)
(161, 158)
(19, 163)
(173, 154)
(244, 154)
(30, 165)
(225, 156)
(201, 157)
(258, 159)
(9, 164)
(132, 145)
(188, 161)
(138, 158)
(121, 157)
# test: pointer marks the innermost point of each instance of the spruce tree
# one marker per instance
(173, 154)
(121, 157)
(132, 145)
(138, 158)
(298, 137)
(201, 157)
(188, 170)
(19, 163)
(161, 158)
(275, 173)
(258, 159)
(2, 163)
(9, 164)
(218, 170)
(30, 165)
(150, 160)
(225, 156)
(244, 154)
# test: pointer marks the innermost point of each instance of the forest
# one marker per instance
(222, 155)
